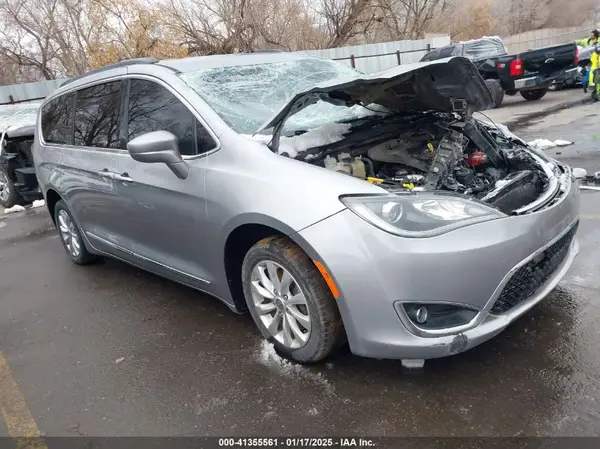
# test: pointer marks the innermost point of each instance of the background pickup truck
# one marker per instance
(530, 73)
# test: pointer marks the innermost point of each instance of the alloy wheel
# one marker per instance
(280, 304)
(4, 187)
(68, 232)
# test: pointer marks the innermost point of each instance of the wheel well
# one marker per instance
(52, 197)
(237, 245)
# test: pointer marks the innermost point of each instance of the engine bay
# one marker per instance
(442, 152)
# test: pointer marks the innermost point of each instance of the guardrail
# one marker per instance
(397, 53)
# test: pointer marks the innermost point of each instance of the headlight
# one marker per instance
(422, 215)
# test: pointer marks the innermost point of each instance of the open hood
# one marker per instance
(443, 85)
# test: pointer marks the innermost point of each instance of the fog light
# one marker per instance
(420, 315)
(437, 316)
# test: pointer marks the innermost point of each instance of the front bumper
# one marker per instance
(470, 266)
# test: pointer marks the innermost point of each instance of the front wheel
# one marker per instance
(290, 302)
(534, 95)
(8, 194)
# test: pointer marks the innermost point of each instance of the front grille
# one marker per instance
(533, 275)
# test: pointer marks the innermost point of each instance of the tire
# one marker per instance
(497, 91)
(8, 195)
(315, 339)
(69, 233)
(534, 95)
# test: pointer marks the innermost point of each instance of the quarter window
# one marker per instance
(97, 111)
(57, 120)
(446, 52)
(154, 108)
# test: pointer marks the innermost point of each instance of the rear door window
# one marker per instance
(57, 120)
(447, 52)
(97, 111)
(153, 108)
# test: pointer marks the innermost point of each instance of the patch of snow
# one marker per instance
(268, 357)
(506, 131)
(545, 144)
(120, 360)
(501, 183)
(323, 135)
(262, 138)
(589, 188)
(15, 208)
(579, 172)
(563, 143)
(565, 182)
(38, 203)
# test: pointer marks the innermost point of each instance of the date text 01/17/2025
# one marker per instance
(296, 442)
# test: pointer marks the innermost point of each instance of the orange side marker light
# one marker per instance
(328, 279)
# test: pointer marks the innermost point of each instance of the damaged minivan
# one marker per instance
(331, 205)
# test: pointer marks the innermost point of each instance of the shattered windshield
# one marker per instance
(18, 115)
(247, 96)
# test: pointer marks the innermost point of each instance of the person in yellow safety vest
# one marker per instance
(592, 40)
(594, 63)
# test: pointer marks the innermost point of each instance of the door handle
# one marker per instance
(123, 178)
(105, 173)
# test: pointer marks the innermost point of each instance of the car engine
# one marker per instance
(466, 157)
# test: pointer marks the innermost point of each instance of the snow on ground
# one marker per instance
(268, 357)
(38, 203)
(13, 209)
(545, 144)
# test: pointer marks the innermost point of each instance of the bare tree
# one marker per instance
(408, 19)
(50, 36)
(26, 37)
(13, 73)
(133, 30)
(465, 19)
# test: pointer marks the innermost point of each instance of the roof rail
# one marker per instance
(267, 50)
(122, 63)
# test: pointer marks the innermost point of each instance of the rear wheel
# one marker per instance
(71, 236)
(290, 302)
(8, 195)
(534, 95)
(497, 91)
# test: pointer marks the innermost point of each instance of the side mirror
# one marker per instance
(159, 146)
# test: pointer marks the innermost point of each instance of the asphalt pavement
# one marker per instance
(109, 350)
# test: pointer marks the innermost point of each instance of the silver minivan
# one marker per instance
(330, 204)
